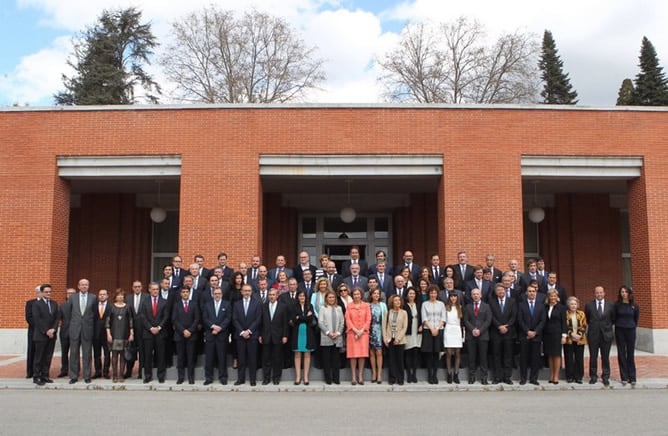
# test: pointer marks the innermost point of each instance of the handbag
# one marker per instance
(130, 351)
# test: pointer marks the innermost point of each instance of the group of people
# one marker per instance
(281, 317)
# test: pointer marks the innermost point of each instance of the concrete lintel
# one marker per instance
(600, 167)
(78, 167)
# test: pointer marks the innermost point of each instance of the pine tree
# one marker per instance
(651, 87)
(109, 61)
(557, 87)
(625, 96)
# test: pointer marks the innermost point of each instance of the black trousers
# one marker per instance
(477, 350)
(412, 361)
(331, 363)
(215, 350)
(502, 351)
(185, 357)
(30, 353)
(603, 347)
(140, 352)
(247, 349)
(574, 360)
(154, 350)
(530, 361)
(272, 361)
(64, 353)
(626, 347)
(42, 358)
(395, 354)
(101, 356)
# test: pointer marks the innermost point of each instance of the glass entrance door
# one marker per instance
(326, 233)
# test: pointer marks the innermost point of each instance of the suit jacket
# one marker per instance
(299, 273)
(272, 273)
(555, 324)
(81, 325)
(28, 312)
(177, 278)
(298, 317)
(99, 325)
(373, 270)
(250, 321)
(482, 321)
(302, 287)
(508, 318)
(274, 330)
(526, 322)
(526, 278)
(256, 288)
(130, 301)
(161, 319)
(460, 280)
(415, 271)
(64, 316)
(199, 286)
(222, 319)
(364, 267)
(600, 327)
(486, 290)
(401, 326)
(388, 282)
(497, 274)
(44, 320)
(185, 321)
(227, 273)
(362, 282)
(327, 324)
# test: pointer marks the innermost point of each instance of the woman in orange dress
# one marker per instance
(358, 321)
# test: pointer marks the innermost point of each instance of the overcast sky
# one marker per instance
(598, 40)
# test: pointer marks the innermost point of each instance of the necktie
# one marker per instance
(292, 295)
(308, 289)
(463, 271)
(435, 273)
(330, 278)
(476, 309)
(354, 281)
(83, 304)
(271, 311)
(380, 279)
(600, 309)
(264, 296)
(155, 306)
(48, 304)
(185, 307)
(531, 307)
(501, 305)
(245, 306)
(136, 303)
(508, 293)
(217, 307)
(100, 309)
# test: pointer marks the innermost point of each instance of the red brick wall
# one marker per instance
(221, 205)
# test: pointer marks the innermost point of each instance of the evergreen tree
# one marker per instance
(557, 87)
(651, 87)
(109, 61)
(625, 95)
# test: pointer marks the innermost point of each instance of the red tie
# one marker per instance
(185, 308)
(476, 309)
(155, 307)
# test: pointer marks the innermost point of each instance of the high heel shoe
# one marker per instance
(297, 382)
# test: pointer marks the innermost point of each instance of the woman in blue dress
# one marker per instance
(303, 336)
(378, 311)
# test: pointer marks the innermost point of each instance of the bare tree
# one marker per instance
(216, 57)
(450, 63)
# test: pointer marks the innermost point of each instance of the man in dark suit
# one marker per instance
(399, 288)
(82, 322)
(280, 266)
(477, 319)
(169, 295)
(307, 286)
(200, 283)
(64, 315)
(413, 267)
(274, 336)
(355, 260)
(372, 285)
(356, 279)
(290, 298)
(30, 349)
(531, 316)
(225, 269)
(512, 289)
(154, 316)
(463, 272)
(303, 266)
(101, 352)
(45, 318)
(513, 267)
(202, 271)
(185, 318)
(496, 272)
(486, 287)
(178, 272)
(552, 284)
(262, 274)
(247, 319)
(135, 300)
(448, 288)
(217, 321)
(503, 333)
(600, 317)
(385, 279)
(532, 274)
(332, 276)
(381, 257)
(436, 271)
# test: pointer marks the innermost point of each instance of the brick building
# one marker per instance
(79, 183)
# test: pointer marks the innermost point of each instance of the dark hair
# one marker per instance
(629, 291)
(44, 286)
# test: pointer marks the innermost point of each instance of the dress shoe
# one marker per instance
(161, 379)
(95, 376)
(400, 382)
(179, 381)
(306, 383)
(592, 381)
(253, 383)
(578, 382)
(337, 382)
(47, 380)
(73, 380)
(238, 383)
(207, 382)
(139, 376)
(623, 382)
(508, 381)
(297, 383)
(265, 382)
(191, 382)
(534, 382)
(38, 381)
(276, 382)
(353, 382)
(86, 380)
(483, 382)
(449, 379)
(147, 380)
(223, 382)
(455, 378)
(606, 382)
(471, 381)
(570, 380)
(328, 382)
(523, 382)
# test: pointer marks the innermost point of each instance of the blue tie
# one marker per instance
(531, 307)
